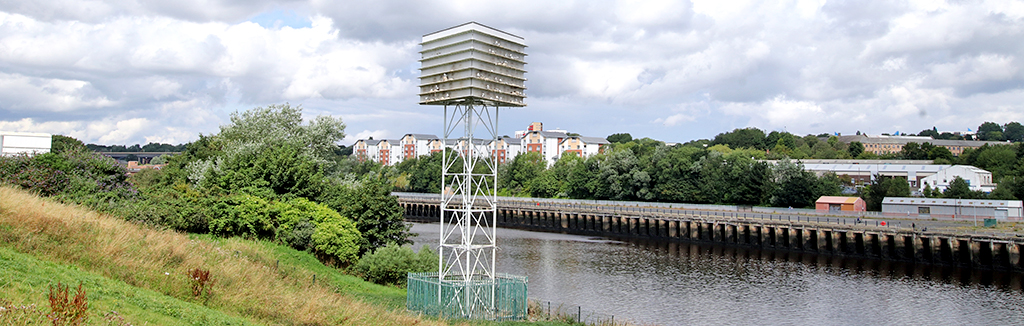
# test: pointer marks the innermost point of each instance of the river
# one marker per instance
(666, 283)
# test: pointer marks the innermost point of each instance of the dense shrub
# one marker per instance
(391, 264)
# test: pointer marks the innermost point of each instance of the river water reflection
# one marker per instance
(681, 284)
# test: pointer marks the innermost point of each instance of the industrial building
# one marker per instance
(917, 173)
(953, 207)
(977, 179)
(840, 204)
(12, 143)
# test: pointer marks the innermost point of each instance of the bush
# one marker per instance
(391, 265)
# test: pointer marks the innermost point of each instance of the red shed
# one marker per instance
(837, 203)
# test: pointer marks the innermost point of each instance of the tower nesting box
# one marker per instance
(470, 70)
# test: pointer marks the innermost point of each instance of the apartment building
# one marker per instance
(416, 145)
(550, 144)
(582, 146)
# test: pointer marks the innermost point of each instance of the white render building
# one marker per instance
(953, 207)
(582, 146)
(549, 144)
(12, 143)
(415, 145)
(976, 178)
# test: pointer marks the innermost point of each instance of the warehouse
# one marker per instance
(12, 143)
(952, 207)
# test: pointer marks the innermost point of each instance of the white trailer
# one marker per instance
(12, 143)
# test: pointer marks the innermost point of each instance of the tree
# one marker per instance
(582, 181)
(798, 187)
(620, 138)
(934, 133)
(855, 148)
(941, 153)
(670, 172)
(958, 188)
(913, 151)
(516, 175)
(377, 214)
(624, 178)
(61, 143)
(990, 131)
(1014, 132)
(881, 187)
(742, 138)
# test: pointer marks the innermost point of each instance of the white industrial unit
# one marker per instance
(953, 207)
(12, 143)
(471, 70)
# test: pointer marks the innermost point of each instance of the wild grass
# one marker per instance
(248, 280)
(25, 284)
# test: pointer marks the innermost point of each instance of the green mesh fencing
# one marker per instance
(503, 298)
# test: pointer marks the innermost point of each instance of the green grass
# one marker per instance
(26, 280)
(139, 272)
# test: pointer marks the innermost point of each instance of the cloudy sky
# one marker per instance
(138, 71)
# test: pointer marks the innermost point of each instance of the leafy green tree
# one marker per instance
(934, 133)
(990, 131)
(391, 264)
(623, 177)
(800, 188)
(941, 153)
(750, 181)
(61, 143)
(620, 138)
(672, 175)
(424, 172)
(881, 187)
(582, 181)
(958, 188)
(517, 174)
(855, 148)
(266, 147)
(913, 151)
(1001, 160)
(377, 214)
(741, 138)
(1014, 132)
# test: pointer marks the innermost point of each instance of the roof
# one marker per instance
(952, 202)
(26, 134)
(422, 136)
(473, 26)
(849, 161)
(595, 140)
(837, 200)
(548, 134)
(371, 141)
(902, 140)
(877, 168)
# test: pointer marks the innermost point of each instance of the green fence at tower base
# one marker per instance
(501, 298)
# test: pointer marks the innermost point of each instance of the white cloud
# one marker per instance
(156, 70)
(21, 92)
(674, 119)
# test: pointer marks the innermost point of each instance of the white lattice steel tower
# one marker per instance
(471, 70)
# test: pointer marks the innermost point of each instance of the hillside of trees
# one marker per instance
(266, 175)
(723, 170)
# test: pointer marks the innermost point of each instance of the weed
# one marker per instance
(114, 318)
(68, 312)
(200, 281)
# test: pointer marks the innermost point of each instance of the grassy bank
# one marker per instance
(253, 281)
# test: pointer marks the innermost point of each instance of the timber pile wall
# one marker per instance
(984, 252)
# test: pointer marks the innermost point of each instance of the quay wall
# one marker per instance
(863, 241)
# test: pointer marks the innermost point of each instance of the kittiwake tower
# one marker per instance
(472, 71)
